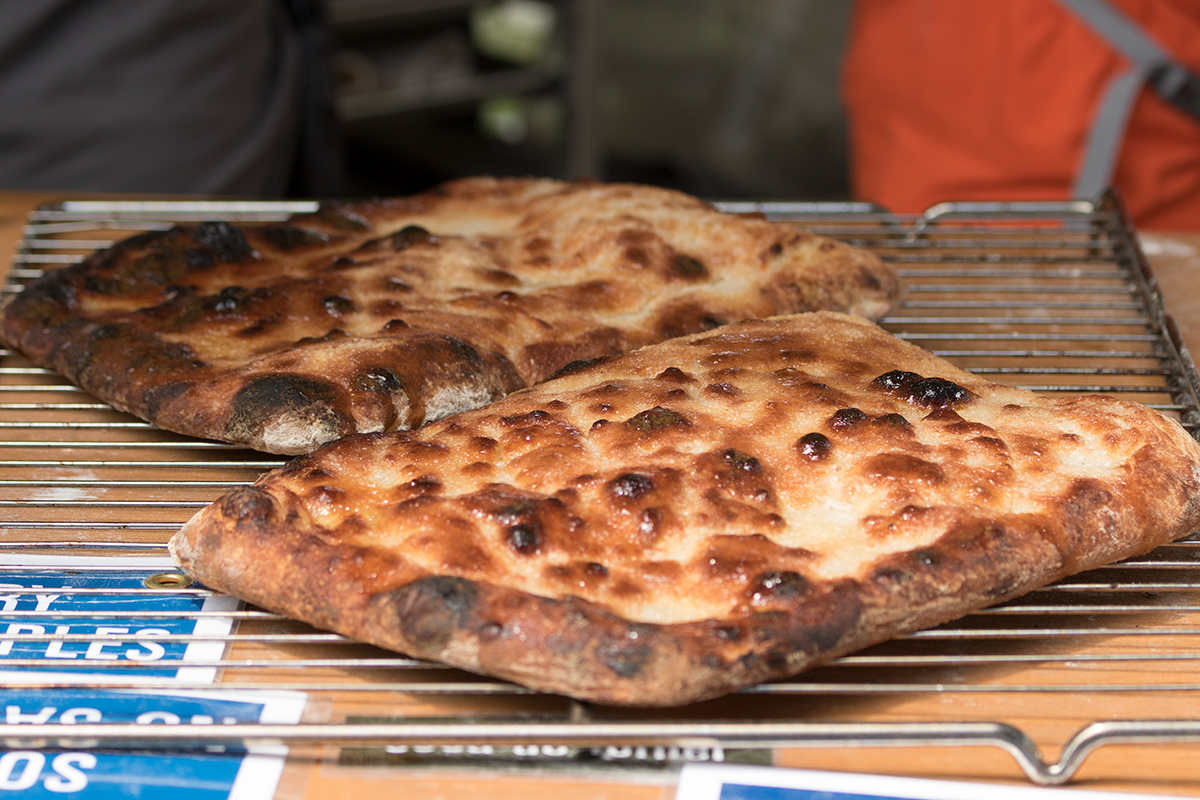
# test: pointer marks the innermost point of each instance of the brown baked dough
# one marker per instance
(702, 514)
(383, 315)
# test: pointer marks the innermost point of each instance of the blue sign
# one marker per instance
(47, 626)
(85, 622)
(99, 774)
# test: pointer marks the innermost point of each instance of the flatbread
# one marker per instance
(385, 314)
(703, 514)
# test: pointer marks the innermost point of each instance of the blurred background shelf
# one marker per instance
(719, 98)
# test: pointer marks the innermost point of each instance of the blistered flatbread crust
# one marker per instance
(383, 315)
(703, 514)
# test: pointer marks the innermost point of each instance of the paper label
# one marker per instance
(95, 774)
(724, 782)
(49, 632)
(43, 622)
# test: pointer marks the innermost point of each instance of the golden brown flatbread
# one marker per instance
(702, 514)
(386, 314)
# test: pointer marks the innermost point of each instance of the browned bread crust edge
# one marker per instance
(251, 545)
(337, 340)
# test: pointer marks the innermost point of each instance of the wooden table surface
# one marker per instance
(1171, 769)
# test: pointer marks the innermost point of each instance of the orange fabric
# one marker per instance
(979, 100)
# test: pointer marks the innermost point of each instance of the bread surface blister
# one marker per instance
(702, 514)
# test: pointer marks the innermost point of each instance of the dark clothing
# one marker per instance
(152, 96)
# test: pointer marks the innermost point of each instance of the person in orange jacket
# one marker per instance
(1022, 100)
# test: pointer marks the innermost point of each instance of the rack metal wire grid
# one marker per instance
(1055, 297)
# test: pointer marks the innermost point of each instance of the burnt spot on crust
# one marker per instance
(336, 305)
(537, 416)
(525, 523)
(148, 357)
(1087, 519)
(157, 396)
(378, 379)
(685, 317)
(430, 611)
(726, 632)
(249, 509)
(464, 351)
(226, 241)
(514, 511)
(869, 279)
(921, 391)
(688, 267)
(640, 247)
(889, 576)
(411, 235)
(785, 586)
(740, 488)
(546, 356)
(196, 258)
(88, 360)
(675, 375)
(56, 289)
(176, 292)
(814, 446)
(896, 380)
(740, 462)
(631, 485)
(657, 419)
(339, 218)
(722, 389)
(290, 237)
(937, 393)
(626, 655)
(331, 335)
(894, 421)
(578, 366)
(524, 539)
(952, 564)
(102, 333)
(538, 245)
(155, 268)
(946, 415)
(498, 277)
(228, 301)
(846, 417)
(142, 240)
(927, 557)
(483, 445)
(772, 252)
(394, 325)
(426, 484)
(290, 400)
(812, 620)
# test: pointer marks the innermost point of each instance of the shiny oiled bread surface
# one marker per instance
(702, 514)
(385, 314)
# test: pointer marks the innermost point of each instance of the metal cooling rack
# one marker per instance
(1054, 297)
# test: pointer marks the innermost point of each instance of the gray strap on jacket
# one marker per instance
(1151, 64)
